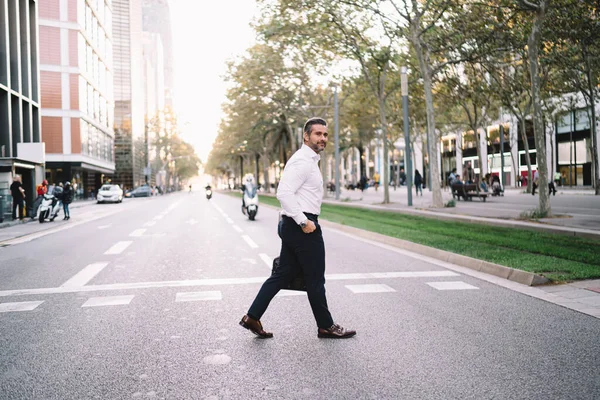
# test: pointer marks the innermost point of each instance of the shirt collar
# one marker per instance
(308, 152)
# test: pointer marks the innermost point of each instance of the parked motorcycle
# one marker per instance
(250, 200)
(49, 208)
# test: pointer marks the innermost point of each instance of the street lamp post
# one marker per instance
(337, 142)
(404, 90)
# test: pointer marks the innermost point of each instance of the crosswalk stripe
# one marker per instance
(198, 296)
(20, 306)
(451, 285)
(108, 301)
(372, 288)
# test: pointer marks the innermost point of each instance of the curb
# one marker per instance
(511, 274)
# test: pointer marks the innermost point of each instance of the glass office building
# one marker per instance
(21, 147)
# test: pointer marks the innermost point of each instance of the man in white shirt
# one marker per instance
(300, 193)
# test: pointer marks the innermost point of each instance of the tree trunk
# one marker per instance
(386, 167)
(425, 67)
(265, 163)
(591, 88)
(533, 43)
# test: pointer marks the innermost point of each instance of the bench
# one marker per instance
(467, 191)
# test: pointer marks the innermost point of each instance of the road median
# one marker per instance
(521, 255)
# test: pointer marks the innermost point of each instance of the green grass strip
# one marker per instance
(558, 257)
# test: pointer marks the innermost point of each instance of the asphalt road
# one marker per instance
(142, 300)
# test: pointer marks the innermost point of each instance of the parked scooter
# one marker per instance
(208, 192)
(49, 208)
(250, 199)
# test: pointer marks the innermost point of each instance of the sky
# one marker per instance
(206, 34)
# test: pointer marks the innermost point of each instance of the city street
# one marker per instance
(142, 300)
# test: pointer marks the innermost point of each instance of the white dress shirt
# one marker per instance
(301, 186)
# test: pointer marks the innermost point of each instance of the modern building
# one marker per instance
(569, 146)
(130, 142)
(21, 147)
(76, 78)
(157, 19)
(154, 96)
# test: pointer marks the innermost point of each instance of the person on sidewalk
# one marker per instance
(18, 197)
(468, 173)
(300, 193)
(418, 183)
(376, 180)
(536, 177)
(67, 198)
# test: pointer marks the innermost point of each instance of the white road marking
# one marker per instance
(104, 226)
(137, 233)
(21, 306)
(238, 229)
(249, 260)
(401, 274)
(249, 241)
(197, 296)
(191, 222)
(85, 275)
(150, 223)
(268, 260)
(229, 220)
(372, 288)
(457, 285)
(118, 248)
(194, 283)
(288, 293)
(108, 301)
(159, 216)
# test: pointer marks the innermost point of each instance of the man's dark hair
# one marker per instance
(313, 121)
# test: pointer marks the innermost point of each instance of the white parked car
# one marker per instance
(110, 193)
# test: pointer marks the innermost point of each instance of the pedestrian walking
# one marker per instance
(376, 180)
(418, 183)
(300, 193)
(67, 198)
(18, 197)
(536, 177)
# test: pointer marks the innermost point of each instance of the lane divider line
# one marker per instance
(268, 260)
(250, 242)
(118, 248)
(85, 275)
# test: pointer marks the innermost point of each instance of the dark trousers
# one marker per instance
(303, 251)
(17, 210)
(66, 210)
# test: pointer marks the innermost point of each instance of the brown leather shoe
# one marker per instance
(255, 327)
(335, 332)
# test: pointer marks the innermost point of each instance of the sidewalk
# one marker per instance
(581, 220)
(8, 222)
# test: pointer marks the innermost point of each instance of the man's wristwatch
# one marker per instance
(303, 224)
